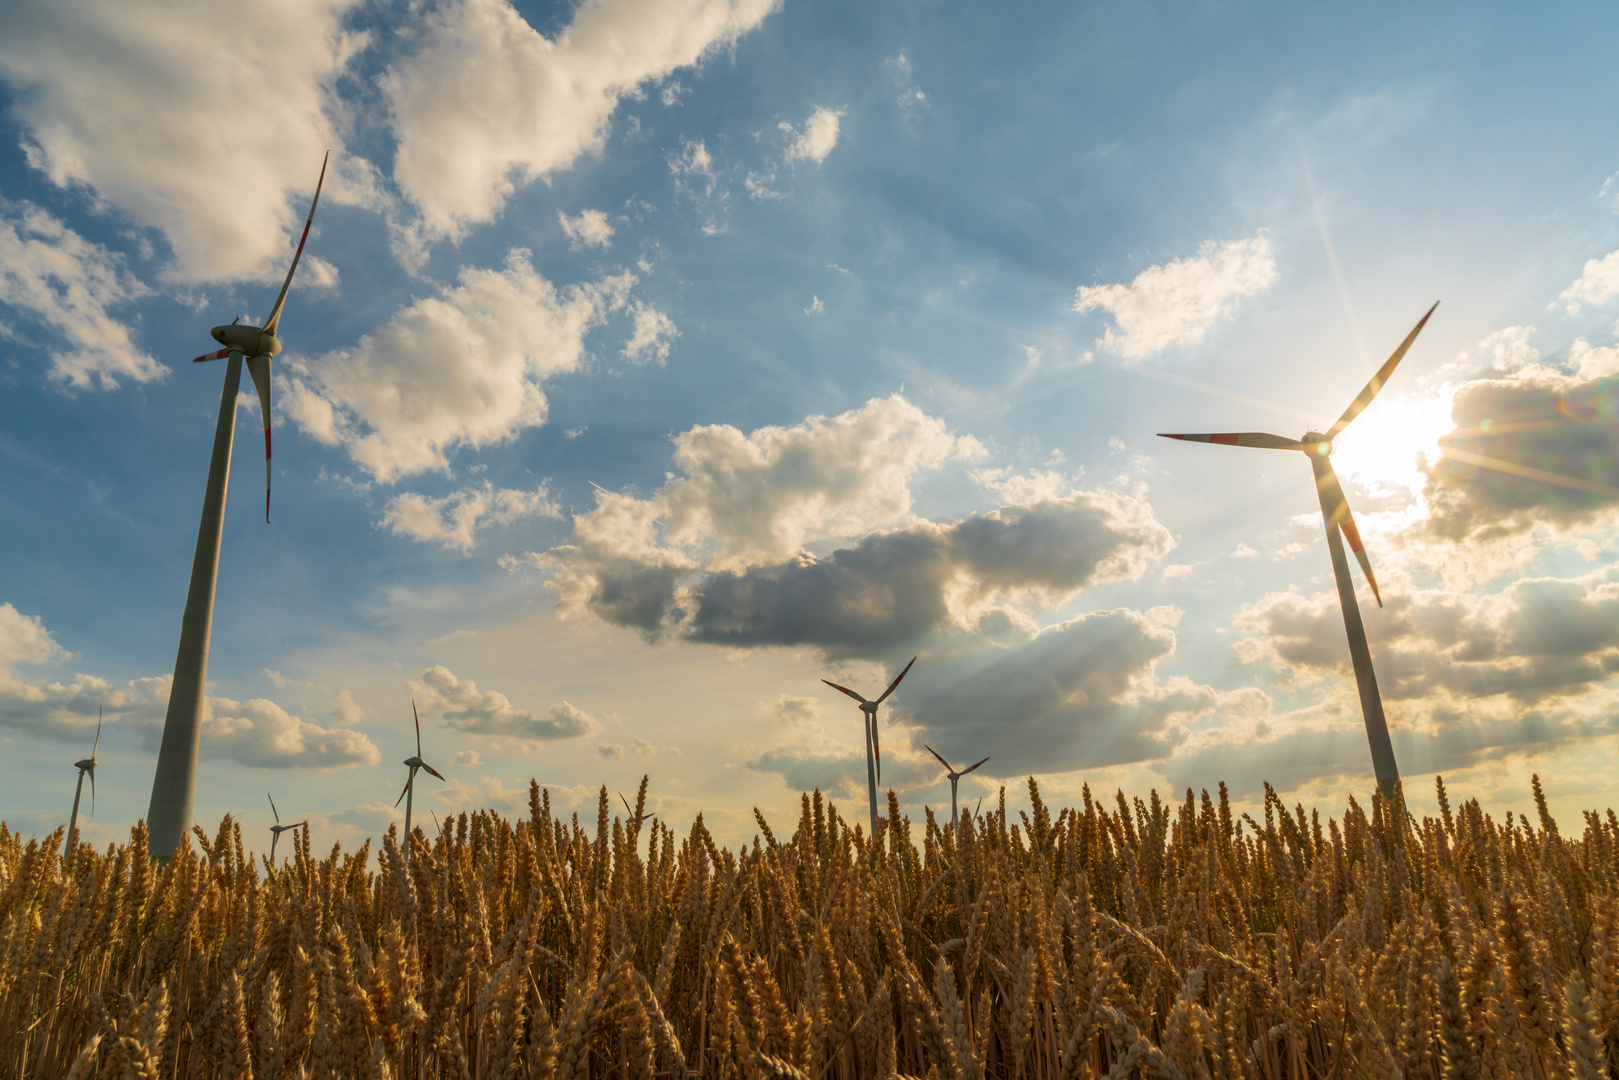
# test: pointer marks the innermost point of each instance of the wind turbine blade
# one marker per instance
(628, 813)
(273, 810)
(1340, 517)
(845, 689)
(259, 368)
(406, 788)
(417, 716)
(877, 746)
(100, 709)
(432, 770)
(220, 355)
(1364, 398)
(1258, 439)
(935, 753)
(275, 313)
(970, 768)
(92, 791)
(895, 683)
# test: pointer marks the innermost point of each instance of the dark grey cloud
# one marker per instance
(1083, 694)
(1557, 437)
(888, 589)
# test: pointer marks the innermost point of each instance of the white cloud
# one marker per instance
(589, 229)
(464, 368)
(263, 734)
(611, 751)
(816, 307)
(816, 139)
(1243, 551)
(24, 640)
(1177, 572)
(1597, 285)
(205, 121)
(465, 758)
(69, 283)
(453, 520)
(651, 337)
(758, 185)
(488, 712)
(485, 102)
(1177, 303)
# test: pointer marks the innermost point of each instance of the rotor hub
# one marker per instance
(251, 340)
(1318, 443)
(869, 707)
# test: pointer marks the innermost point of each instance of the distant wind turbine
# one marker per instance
(874, 751)
(84, 765)
(1335, 512)
(954, 776)
(416, 762)
(277, 829)
(175, 784)
(631, 815)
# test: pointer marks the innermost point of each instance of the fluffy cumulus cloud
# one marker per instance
(537, 102)
(263, 734)
(205, 121)
(816, 139)
(57, 278)
(1597, 285)
(1534, 444)
(1465, 677)
(1179, 302)
(720, 554)
(463, 368)
(651, 338)
(454, 520)
(589, 229)
(488, 712)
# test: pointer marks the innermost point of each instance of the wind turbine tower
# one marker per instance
(1317, 446)
(174, 788)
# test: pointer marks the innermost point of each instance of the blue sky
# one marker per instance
(652, 361)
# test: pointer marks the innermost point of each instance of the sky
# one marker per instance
(652, 360)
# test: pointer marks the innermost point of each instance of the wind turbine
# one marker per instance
(277, 829)
(630, 815)
(874, 750)
(84, 765)
(175, 784)
(954, 776)
(1335, 513)
(416, 762)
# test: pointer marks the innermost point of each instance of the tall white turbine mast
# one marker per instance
(1335, 513)
(175, 785)
(416, 762)
(277, 829)
(954, 777)
(84, 765)
(874, 750)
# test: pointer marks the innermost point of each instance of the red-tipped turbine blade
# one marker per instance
(628, 813)
(273, 810)
(970, 768)
(220, 355)
(418, 718)
(845, 689)
(935, 753)
(274, 320)
(1364, 398)
(259, 368)
(877, 748)
(432, 770)
(895, 683)
(1257, 439)
(403, 790)
(1341, 518)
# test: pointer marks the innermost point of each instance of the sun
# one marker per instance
(1380, 450)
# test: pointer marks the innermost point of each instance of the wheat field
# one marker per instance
(1140, 939)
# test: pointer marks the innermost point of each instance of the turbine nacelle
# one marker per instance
(87, 763)
(1313, 442)
(248, 340)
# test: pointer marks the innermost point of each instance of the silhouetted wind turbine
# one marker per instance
(84, 765)
(631, 815)
(175, 784)
(416, 762)
(277, 829)
(954, 776)
(1335, 512)
(874, 752)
